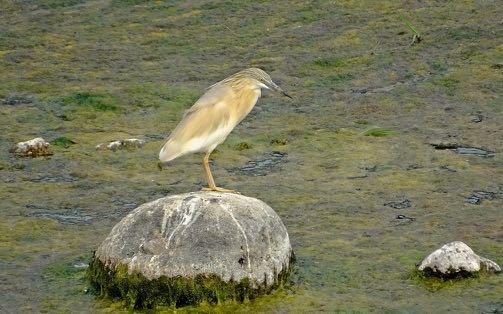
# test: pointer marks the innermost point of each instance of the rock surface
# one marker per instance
(32, 148)
(121, 144)
(455, 258)
(221, 235)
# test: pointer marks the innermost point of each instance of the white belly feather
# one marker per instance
(208, 142)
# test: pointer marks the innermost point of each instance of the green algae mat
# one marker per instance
(390, 148)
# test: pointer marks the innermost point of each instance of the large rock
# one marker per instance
(188, 248)
(455, 258)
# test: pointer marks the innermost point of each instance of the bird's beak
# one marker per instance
(278, 89)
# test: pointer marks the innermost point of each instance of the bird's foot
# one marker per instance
(219, 189)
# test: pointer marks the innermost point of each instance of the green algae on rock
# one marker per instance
(139, 292)
(191, 248)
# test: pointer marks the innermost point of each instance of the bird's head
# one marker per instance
(261, 79)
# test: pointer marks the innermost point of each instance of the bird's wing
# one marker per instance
(208, 114)
(215, 94)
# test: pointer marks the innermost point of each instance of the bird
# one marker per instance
(214, 115)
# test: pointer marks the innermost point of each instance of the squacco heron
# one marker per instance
(210, 120)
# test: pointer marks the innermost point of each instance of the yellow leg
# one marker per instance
(207, 170)
(209, 177)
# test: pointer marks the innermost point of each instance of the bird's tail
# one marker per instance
(169, 151)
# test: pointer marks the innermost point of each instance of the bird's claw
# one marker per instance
(218, 189)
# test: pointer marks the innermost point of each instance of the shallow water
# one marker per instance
(98, 71)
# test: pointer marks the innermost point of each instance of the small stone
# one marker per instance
(477, 118)
(155, 136)
(472, 150)
(473, 199)
(32, 148)
(127, 143)
(486, 195)
(362, 90)
(17, 100)
(461, 149)
(477, 197)
(400, 216)
(399, 204)
(115, 145)
(448, 168)
(122, 144)
(81, 265)
(455, 258)
(489, 265)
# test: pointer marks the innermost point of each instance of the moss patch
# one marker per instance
(91, 100)
(337, 78)
(330, 62)
(279, 141)
(62, 270)
(62, 141)
(242, 146)
(139, 292)
(433, 282)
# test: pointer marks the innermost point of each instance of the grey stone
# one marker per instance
(122, 144)
(455, 258)
(32, 148)
(232, 236)
(17, 100)
(489, 265)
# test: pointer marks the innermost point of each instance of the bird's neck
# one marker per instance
(247, 98)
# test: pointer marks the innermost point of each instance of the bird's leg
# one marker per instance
(209, 177)
(207, 170)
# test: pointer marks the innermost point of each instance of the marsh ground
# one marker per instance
(367, 104)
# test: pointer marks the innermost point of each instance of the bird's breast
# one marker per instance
(245, 103)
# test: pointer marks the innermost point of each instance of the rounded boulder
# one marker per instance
(189, 248)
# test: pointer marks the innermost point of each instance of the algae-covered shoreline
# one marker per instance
(358, 134)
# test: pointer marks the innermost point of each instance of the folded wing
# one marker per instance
(205, 125)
